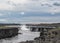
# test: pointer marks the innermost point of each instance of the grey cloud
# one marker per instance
(34, 5)
(56, 4)
(46, 5)
(35, 19)
(11, 3)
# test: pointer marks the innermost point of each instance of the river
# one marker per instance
(26, 35)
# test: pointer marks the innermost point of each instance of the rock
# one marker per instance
(8, 32)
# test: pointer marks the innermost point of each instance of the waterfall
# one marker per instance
(24, 27)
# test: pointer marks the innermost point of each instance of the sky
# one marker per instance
(29, 11)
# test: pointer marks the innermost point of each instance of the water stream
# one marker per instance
(26, 35)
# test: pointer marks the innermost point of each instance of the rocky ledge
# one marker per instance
(8, 32)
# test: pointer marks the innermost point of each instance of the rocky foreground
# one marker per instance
(52, 36)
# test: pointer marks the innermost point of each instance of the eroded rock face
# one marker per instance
(8, 32)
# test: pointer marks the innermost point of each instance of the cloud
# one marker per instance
(38, 6)
(11, 8)
(30, 5)
(1, 14)
(3, 20)
(33, 19)
(56, 4)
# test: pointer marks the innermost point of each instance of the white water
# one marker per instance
(24, 27)
(26, 35)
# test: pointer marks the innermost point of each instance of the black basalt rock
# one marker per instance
(8, 32)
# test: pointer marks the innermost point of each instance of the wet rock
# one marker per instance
(8, 32)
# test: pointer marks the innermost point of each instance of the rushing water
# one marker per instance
(26, 35)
